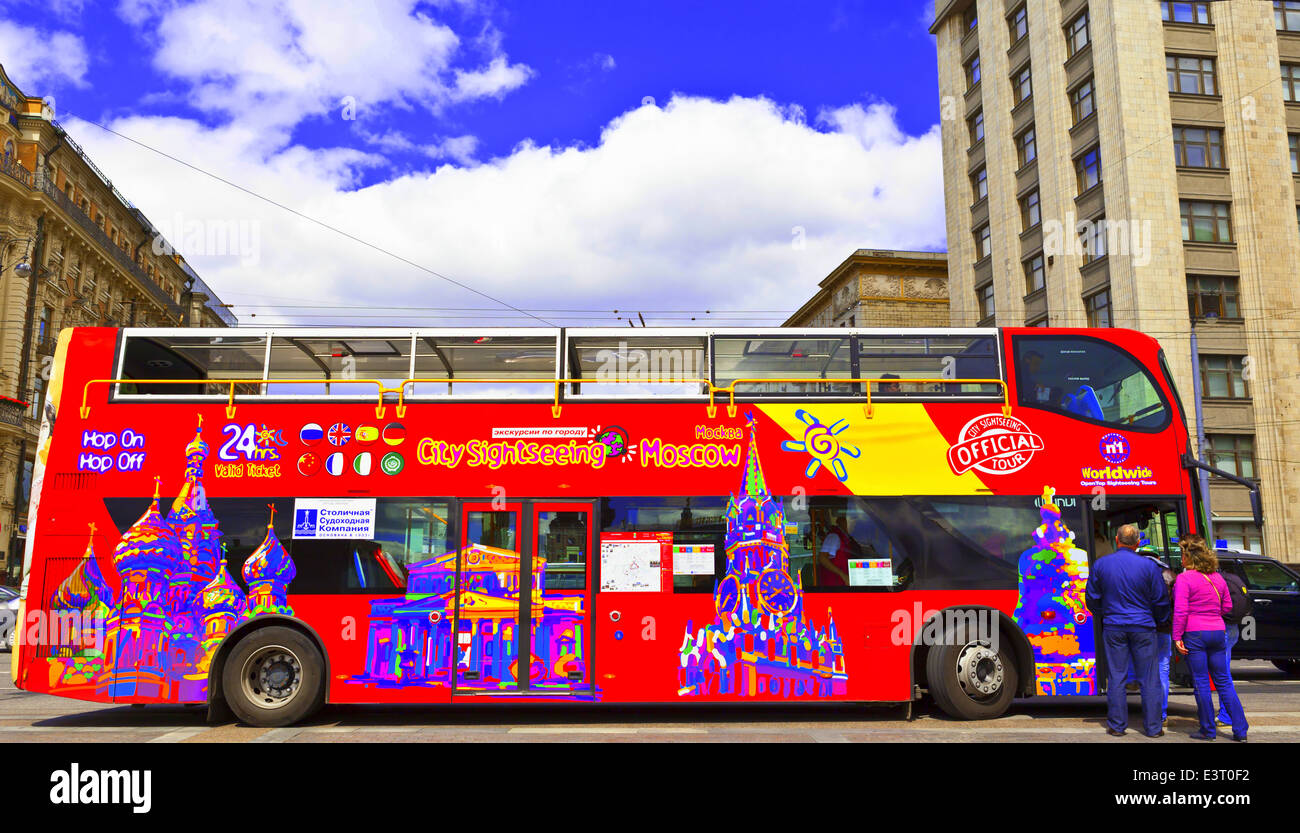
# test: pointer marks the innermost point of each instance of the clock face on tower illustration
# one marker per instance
(728, 596)
(777, 592)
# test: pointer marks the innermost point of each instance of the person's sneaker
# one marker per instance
(1223, 721)
(1159, 734)
(1241, 739)
(1115, 733)
(1200, 736)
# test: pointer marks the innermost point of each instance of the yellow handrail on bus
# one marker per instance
(868, 408)
(556, 383)
(230, 402)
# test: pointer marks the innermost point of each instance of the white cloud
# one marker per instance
(691, 206)
(34, 57)
(277, 63)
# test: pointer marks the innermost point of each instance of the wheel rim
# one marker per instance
(980, 672)
(272, 677)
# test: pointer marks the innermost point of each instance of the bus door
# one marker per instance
(1160, 523)
(523, 599)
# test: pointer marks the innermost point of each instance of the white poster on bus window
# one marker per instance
(693, 559)
(871, 572)
(334, 518)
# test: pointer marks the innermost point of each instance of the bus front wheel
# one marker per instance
(273, 677)
(971, 680)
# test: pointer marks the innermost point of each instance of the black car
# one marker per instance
(1274, 589)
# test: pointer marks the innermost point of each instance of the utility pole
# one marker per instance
(33, 270)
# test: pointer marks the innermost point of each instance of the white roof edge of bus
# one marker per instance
(363, 332)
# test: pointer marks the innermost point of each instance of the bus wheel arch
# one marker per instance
(311, 647)
(1015, 653)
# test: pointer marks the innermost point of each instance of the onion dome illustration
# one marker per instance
(269, 562)
(150, 543)
(222, 594)
(191, 500)
(85, 585)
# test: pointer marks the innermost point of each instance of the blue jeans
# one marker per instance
(1136, 649)
(1231, 634)
(1164, 654)
(1207, 656)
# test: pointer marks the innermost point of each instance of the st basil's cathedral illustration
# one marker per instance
(761, 643)
(176, 601)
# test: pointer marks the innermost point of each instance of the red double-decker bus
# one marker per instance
(272, 520)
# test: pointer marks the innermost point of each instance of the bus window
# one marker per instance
(335, 360)
(694, 522)
(516, 361)
(839, 543)
(637, 365)
(755, 358)
(190, 357)
(928, 357)
(1089, 379)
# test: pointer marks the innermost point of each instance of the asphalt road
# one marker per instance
(1272, 704)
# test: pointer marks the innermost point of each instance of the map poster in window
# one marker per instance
(871, 572)
(633, 562)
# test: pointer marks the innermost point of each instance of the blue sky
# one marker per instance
(644, 151)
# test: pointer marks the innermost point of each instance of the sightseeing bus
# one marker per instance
(268, 520)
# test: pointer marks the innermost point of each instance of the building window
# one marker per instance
(1092, 239)
(1240, 537)
(1087, 170)
(1293, 142)
(984, 298)
(1212, 296)
(970, 18)
(1035, 278)
(1205, 222)
(1291, 82)
(1200, 147)
(1286, 15)
(1037, 322)
(1081, 101)
(983, 243)
(979, 183)
(1022, 87)
(973, 71)
(1193, 76)
(1097, 306)
(976, 125)
(1019, 24)
(1222, 377)
(1175, 12)
(1026, 149)
(1076, 34)
(1234, 453)
(1030, 213)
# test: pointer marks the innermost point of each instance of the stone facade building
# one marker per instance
(1134, 163)
(85, 256)
(880, 288)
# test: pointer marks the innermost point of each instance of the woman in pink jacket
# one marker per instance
(1200, 602)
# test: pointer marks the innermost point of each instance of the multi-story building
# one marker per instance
(73, 252)
(1134, 163)
(880, 288)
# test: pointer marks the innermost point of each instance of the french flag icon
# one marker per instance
(334, 463)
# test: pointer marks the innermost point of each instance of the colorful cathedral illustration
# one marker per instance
(761, 642)
(410, 642)
(175, 603)
(1052, 611)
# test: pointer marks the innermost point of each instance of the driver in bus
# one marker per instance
(837, 547)
(1043, 394)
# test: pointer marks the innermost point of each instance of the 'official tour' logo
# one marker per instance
(993, 444)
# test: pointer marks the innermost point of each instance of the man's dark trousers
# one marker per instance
(1135, 647)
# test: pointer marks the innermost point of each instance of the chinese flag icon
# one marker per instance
(309, 464)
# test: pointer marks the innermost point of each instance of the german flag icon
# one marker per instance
(394, 433)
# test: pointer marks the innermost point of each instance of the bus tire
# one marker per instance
(273, 677)
(1290, 667)
(970, 681)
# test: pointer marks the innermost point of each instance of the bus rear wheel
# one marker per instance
(1290, 667)
(273, 677)
(971, 681)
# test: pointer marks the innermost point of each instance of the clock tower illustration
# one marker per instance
(761, 643)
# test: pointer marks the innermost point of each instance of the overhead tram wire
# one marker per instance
(315, 221)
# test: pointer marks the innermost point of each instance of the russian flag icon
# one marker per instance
(311, 434)
(334, 463)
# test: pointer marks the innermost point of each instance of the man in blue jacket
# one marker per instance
(1127, 592)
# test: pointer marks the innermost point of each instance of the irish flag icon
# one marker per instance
(334, 463)
(361, 463)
